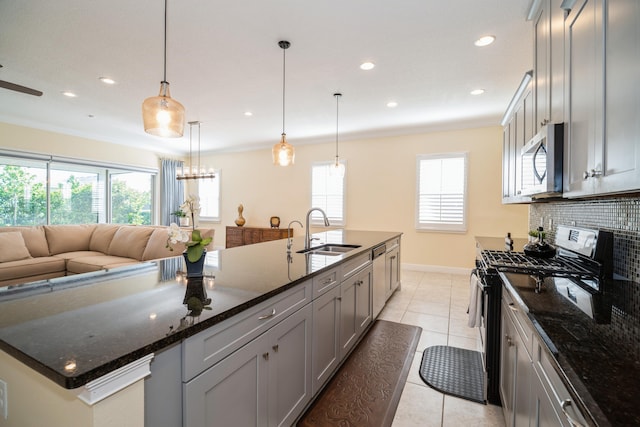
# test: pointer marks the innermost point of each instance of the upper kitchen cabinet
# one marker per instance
(548, 62)
(518, 128)
(602, 152)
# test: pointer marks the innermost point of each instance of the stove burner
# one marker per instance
(539, 268)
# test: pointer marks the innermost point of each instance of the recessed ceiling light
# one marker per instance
(485, 41)
(69, 94)
(367, 66)
(392, 104)
(248, 113)
(107, 80)
(477, 92)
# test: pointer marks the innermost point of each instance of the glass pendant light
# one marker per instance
(337, 168)
(162, 115)
(283, 153)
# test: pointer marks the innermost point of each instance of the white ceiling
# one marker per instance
(224, 59)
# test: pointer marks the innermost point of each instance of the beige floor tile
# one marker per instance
(427, 322)
(464, 342)
(411, 275)
(436, 308)
(391, 314)
(460, 328)
(429, 339)
(461, 412)
(419, 406)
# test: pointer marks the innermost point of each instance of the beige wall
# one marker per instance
(381, 184)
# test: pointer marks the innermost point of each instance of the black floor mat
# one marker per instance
(454, 371)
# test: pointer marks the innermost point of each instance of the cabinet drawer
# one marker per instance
(391, 244)
(210, 346)
(351, 267)
(325, 281)
(555, 388)
(520, 320)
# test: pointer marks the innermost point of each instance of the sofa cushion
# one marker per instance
(130, 241)
(34, 238)
(27, 268)
(102, 236)
(68, 238)
(77, 254)
(12, 247)
(97, 262)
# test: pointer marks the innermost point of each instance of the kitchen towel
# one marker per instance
(475, 301)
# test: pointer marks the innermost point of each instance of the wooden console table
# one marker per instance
(240, 236)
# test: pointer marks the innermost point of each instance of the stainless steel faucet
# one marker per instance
(307, 238)
(289, 242)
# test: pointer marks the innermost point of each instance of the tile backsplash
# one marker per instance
(620, 215)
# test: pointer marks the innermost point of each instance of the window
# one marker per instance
(77, 192)
(441, 192)
(327, 193)
(209, 193)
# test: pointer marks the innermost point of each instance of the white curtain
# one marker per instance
(171, 190)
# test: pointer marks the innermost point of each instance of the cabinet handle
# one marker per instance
(265, 356)
(512, 307)
(267, 316)
(339, 298)
(358, 282)
(565, 403)
(591, 174)
(509, 342)
(392, 258)
(275, 348)
(327, 281)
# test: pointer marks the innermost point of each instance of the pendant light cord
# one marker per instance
(284, 71)
(164, 79)
(337, 95)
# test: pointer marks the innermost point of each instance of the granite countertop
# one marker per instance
(79, 328)
(597, 357)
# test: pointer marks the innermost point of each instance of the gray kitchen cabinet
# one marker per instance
(515, 369)
(548, 63)
(392, 267)
(326, 337)
(551, 404)
(265, 383)
(602, 149)
(355, 309)
(518, 128)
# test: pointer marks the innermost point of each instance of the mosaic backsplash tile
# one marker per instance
(620, 215)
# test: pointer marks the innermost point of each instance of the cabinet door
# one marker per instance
(289, 367)
(584, 95)
(541, 64)
(543, 412)
(364, 302)
(621, 151)
(508, 367)
(326, 345)
(232, 392)
(348, 314)
(392, 258)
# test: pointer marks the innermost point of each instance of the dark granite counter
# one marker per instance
(79, 328)
(596, 357)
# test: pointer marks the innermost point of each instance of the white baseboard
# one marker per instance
(436, 269)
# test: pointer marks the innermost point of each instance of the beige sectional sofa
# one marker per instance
(47, 251)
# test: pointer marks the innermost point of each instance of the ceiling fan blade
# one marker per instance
(18, 88)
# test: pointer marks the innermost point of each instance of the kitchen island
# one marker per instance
(93, 339)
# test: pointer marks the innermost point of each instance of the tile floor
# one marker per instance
(436, 302)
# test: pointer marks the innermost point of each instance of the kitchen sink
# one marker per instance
(329, 249)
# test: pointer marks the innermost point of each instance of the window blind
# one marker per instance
(327, 193)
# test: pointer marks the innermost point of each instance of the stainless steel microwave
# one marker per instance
(541, 160)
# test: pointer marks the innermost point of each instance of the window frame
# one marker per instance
(316, 219)
(218, 182)
(442, 226)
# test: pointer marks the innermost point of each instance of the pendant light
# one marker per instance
(162, 115)
(337, 168)
(195, 172)
(283, 152)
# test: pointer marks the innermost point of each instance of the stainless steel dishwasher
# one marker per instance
(379, 278)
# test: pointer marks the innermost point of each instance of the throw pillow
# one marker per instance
(12, 247)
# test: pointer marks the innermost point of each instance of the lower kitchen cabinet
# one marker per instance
(515, 370)
(355, 309)
(551, 403)
(340, 316)
(267, 382)
(392, 270)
